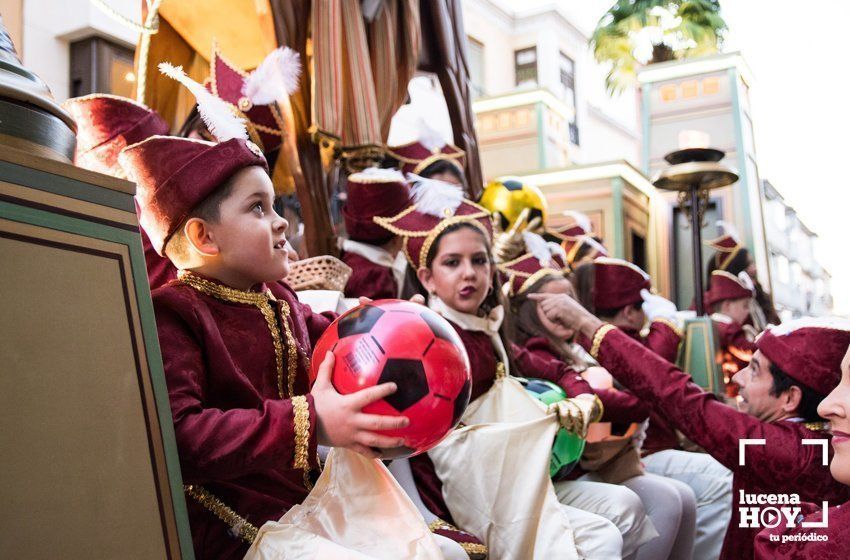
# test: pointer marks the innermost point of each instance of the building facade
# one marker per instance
(74, 46)
(801, 286)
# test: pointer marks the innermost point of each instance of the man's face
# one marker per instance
(755, 382)
(249, 233)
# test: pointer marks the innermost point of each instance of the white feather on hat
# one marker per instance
(430, 137)
(380, 174)
(538, 247)
(433, 197)
(275, 76)
(214, 111)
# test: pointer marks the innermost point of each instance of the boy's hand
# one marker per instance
(561, 308)
(341, 420)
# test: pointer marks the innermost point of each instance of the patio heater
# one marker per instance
(693, 174)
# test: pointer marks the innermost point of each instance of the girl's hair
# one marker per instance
(444, 166)
(523, 322)
(583, 279)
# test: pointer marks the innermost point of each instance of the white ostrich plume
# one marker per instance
(215, 112)
(538, 247)
(276, 76)
(433, 197)
(430, 137)
(378, 174)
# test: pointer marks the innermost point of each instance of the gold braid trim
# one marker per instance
(301, 413)
(262, 301)
(469, 547)
(291, 350)
(672, 324)
(598, 337)
(817, 426)
(238, 524)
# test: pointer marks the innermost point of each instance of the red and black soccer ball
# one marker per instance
(412, 346)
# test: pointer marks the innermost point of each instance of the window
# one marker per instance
(568, 92)
(669, 92)
(475, 54)
(525, 66)
(783, 270)
(100, 66)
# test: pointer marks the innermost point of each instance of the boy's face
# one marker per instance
(249, 233)
(737, 309)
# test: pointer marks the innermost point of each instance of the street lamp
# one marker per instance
(694, 173)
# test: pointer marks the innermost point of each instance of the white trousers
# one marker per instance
(613, 503)
(712, 486)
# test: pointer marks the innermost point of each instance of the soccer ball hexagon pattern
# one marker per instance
(410, 345)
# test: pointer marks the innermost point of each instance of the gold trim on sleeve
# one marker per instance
(471, 548)
(672, 324)
(238, 524)
(301, 413)
(598, 337)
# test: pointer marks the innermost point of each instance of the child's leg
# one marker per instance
(673, 518)
(712, 486)
(595, 536)
(616, 503)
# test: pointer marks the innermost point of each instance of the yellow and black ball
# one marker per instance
(509, 196)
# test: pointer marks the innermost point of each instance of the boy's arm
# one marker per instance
(224, 444)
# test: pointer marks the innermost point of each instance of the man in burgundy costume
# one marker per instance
(802, 358)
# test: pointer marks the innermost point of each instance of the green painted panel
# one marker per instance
(149, 334)
(65, 186)
(697, 355)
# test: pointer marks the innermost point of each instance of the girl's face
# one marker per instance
(557, 330)
(460, 274)
(836, 408)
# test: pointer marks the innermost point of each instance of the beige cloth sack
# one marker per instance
(356, 511)
(495, 474)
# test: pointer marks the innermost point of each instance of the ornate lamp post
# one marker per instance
(694, 173)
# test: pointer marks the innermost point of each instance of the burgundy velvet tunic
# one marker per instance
(783, 466)
(483, 361)
(621, 407)
(236, 435)
(368, 279)
(664, 341)
(835, 547)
